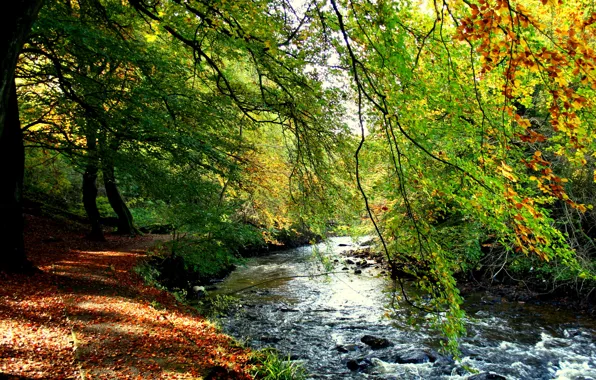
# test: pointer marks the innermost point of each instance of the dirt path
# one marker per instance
(88, 315)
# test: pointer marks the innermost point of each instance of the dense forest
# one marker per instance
(459, 133)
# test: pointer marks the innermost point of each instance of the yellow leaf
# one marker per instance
(507, 172)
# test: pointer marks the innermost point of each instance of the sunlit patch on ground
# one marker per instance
(87, 314)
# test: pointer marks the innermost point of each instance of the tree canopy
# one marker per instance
(459, 132)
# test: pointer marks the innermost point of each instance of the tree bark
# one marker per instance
(90, 201)
(125, 220)
(12, 157)
(16, 19)
(90, 186)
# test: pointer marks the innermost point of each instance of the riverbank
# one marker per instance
(85, 313)
(364, 255)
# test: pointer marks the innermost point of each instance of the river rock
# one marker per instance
(352, 365)
(358, 365)
(415, 357)
(357, 271)
(344, 245)
(288, 310)
(486, 376)
(344, 348)
(375, 342)
(199, 291)
(348, 261)
(366, 243)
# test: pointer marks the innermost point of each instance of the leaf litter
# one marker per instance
(87, 314)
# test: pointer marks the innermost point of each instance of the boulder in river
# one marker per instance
(347, 347)
(375, 342)
(358, 365)
(366, 243)
(487, 376)
(415, 357)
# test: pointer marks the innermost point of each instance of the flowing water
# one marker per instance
(320, 321)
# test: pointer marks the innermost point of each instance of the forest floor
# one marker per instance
(87, 314)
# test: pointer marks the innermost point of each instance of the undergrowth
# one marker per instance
(270, 366)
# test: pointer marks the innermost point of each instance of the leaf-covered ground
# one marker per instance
(86, 314)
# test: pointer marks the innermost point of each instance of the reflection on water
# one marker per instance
(320, 320)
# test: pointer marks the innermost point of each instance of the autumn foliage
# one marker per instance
(87, 315)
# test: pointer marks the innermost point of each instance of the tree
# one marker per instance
(474, 116)
(17, 20)
(443, 94)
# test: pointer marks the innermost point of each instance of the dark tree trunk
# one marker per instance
(16, 19)
(125, 220)
(90, 201)
(12, 157)
(90, 186)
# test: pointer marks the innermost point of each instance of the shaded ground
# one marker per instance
(86, 314)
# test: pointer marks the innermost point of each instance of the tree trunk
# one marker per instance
(16, 19)
(90, 201)
(125, 220)
(90, 186)
(12, 157)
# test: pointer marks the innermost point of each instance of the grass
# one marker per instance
(270, 366)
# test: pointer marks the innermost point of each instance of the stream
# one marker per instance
(320, 321)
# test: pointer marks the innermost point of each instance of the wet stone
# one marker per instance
(347, 347)
(375, 342)
(352, 365)
(288, 310)
(415, 357)
(358, 365)
(487, 376)
(366, 243)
